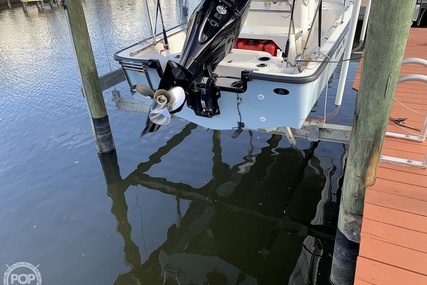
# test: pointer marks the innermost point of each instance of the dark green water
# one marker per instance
(183, 205)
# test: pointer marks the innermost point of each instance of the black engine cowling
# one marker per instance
(212, 31)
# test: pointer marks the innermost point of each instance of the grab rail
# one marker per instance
(423, 133)
(413, 77)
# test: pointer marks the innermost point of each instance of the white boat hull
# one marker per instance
(276, 95)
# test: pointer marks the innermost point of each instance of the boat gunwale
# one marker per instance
(296, 79)
(306, 78)
(159, 38)
(254, 75)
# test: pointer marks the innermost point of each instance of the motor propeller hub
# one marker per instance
(162, 97)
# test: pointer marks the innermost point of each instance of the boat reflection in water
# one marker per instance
(259, 222)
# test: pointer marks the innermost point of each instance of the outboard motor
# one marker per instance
(212, 31)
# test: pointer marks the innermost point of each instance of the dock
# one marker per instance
(393, 247)
(39, 3)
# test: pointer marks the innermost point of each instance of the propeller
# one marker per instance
(159, 110)
(165, 103)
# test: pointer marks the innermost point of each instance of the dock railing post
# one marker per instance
(387, 36)
(89, 76)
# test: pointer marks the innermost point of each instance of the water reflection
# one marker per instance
(261, 221)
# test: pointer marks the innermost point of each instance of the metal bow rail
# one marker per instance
(418, 138)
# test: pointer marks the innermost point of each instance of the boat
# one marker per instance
(240, 64)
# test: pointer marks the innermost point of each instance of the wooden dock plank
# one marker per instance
(410, 184)
(369, 271)
(416, 105)
(404, 174)
(389, 155)
(416, 115)
(397, 256)
(362, 282)
(402, 154)
(404, 131)
(416, 99)
(414, 128)
(396, 202)
(396, 235)
(399, 189)
(414, 68)
(390, 216)
(399, 144)
(411, 96)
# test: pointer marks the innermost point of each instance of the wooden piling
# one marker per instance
(89, 76)
(387, 36)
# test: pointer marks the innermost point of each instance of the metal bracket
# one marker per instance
(290, 135)
(405, 136)
(313, 132)
(129, 105)
(324, 132)
(404, 161)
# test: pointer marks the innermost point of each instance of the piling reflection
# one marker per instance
(261, 221)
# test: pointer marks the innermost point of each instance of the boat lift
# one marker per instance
(313, 130)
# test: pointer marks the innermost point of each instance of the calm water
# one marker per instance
(183, 205)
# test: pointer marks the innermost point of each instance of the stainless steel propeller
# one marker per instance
(159, 110)
(164, 103)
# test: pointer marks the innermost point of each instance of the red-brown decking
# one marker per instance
(393, 248)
